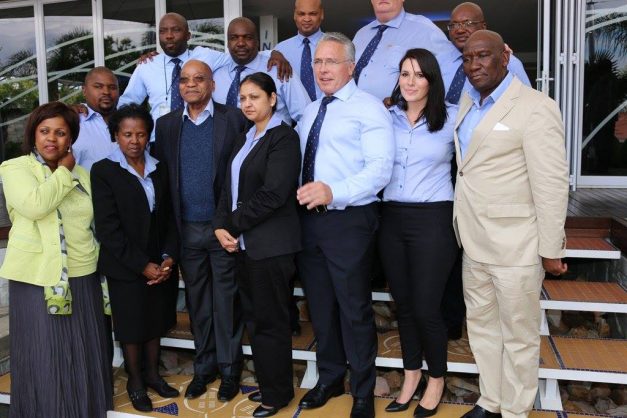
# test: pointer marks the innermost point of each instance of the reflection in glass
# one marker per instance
(69, 48)
(604, 149)
(129, 30)
(18, 77)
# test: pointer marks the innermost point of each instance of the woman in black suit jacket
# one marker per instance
(138, 244)
(257, 219)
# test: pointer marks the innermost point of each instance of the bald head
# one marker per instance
(308, 16)
(101, 91)
(466, 19)
(173, 34)
(196, 83)
(485, 61)
(242, 40)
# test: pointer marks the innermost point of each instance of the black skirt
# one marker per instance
(141, 312)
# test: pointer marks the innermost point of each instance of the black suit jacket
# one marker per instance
(123, 219)
(228, 123)
(267, 208)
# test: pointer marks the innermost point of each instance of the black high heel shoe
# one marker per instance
(399, 407)
(422, 412)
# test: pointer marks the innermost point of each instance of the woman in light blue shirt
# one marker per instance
(417, 243)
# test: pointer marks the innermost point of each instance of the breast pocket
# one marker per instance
(510, 210)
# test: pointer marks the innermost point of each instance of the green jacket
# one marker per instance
(34, 250)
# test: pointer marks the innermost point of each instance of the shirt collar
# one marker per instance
(91, 113)
(495, 95)
(253, 64)
(394, 23)
(346, 91)
(208, 108)
(183, 57)
(400, 114)
(274, 121)
(314, 37)
(117, 156)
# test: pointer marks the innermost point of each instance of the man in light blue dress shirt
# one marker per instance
(308, 15)
(404, 31)
(153, 79)
(348, 149)
(243, 45)
(466, 19)
(94, 141)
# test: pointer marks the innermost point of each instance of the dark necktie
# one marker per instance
(312, 141)
(231, 97)
(369, 52)
(176, 101)
(457, 85)
(306, 72)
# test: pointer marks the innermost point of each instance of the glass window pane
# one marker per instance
(604, 147)
(205, 19)
(19, 93)
(129, 29)
(69, 48)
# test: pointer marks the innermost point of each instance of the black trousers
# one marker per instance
(334, 266)
(211, 298)
(453, 306)
(264, 288)
(418, 249)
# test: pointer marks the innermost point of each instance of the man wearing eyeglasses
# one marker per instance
(348, 152)
(466, 19)
(195, 142)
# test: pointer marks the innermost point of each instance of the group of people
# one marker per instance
(314, 173)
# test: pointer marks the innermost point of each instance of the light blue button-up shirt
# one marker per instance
(422, 166)
(292, 96)
(204, 115)
(146, 182)
(292, 50)
(356, 148)
(405, 31)
(252, 138)
(478, 111)
(154, 79)
(94, 141)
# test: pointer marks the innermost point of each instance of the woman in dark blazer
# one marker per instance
(257, 219)
(138, 245)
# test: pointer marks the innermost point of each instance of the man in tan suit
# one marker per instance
(510, 207)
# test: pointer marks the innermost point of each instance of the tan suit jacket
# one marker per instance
(511, 195)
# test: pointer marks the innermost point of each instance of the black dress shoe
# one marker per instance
(140, 400)
(162, 388)
(229, 387)
(399, 407)
(320, 395)
(479, 412)
(363, 408)
(262, 411)
(198, 385)
(255, 396)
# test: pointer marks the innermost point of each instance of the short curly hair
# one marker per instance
(130, 111)
(49, 111)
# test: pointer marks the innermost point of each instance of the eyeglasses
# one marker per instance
(197, 79)
(466, 24)
(329, 62)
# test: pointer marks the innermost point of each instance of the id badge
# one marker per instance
(164, 109)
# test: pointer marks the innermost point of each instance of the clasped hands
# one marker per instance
(156, 273)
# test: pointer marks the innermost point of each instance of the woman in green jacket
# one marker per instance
(58, 342)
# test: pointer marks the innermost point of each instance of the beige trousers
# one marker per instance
(503, 319)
